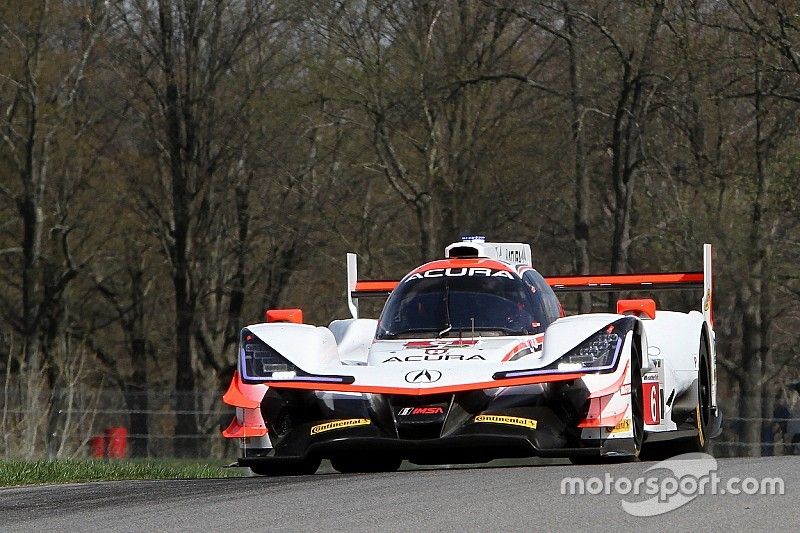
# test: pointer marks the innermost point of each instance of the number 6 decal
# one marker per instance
(652, 406)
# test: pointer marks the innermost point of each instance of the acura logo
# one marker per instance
(423, 376)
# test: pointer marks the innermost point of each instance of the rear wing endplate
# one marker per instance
(585, 283)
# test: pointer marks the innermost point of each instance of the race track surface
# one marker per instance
(519, 498)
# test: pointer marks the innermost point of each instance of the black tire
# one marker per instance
(637, 415)
(637, 398)
(702, 415)
(305, 468)
(361, 465)
(659, 451)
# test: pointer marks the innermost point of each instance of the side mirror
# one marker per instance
(295, 316)
(643, 308)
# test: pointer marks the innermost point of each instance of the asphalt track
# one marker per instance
(518, 498)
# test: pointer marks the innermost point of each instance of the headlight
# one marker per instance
(598, 351)
(260, 360)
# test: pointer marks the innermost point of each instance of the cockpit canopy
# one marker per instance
(453, 302)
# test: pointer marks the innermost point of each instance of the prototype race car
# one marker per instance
(472, 359)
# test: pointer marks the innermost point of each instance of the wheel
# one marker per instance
(637, 399)
(353, 465)
(701, 419)
(637, 415)
(702, 414)
(306, 468)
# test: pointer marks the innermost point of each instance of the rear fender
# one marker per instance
(674, 338)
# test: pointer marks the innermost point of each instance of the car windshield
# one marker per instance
(450, 306)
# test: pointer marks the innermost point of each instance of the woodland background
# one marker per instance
(169, 169)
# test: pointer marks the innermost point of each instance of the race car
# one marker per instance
(473, 359)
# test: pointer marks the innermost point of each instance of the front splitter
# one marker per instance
(461, 449)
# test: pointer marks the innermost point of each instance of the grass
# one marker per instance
(13, 472)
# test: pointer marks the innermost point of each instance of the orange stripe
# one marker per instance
(237, 431)
(407, 391)
(568, 281)
(244, 395)
(376, 286)
(626, 279)
(480, 262)
(606, 421)
(515, 350)
(614, 387)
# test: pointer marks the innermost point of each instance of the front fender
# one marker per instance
(310, 348)
(566, 333)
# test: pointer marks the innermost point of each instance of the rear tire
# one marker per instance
(658, 451)
(702, 414)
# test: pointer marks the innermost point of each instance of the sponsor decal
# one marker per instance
(459, 272)
(537, 343)
(625, 390)
(446, 357)
(650, 376)
(525, 348)
(509, 420)
(440, 343)
(652, 405)
(516, 256)
(339, 424)
(623, 426)
(437, 347)
(412, 411)
(423, 376)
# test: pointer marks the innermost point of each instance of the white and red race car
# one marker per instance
(472, 359)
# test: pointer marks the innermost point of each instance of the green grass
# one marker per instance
(14, 472)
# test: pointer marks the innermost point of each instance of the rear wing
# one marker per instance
(589, 283)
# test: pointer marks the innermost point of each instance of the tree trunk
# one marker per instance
(755, 348)
(137, 403)
(186, 421)
(581, 178)
(629, 119)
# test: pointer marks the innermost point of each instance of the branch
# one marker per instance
(460, 84)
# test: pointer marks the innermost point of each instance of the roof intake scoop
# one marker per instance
(514, 253)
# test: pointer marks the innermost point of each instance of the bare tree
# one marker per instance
(40, 94)
(194, 68)
(438, 86)
(43, 123)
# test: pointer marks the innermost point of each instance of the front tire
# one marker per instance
(637, 399)
(637, 416)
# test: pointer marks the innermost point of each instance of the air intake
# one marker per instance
(513, 253)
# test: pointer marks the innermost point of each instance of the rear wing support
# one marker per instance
(708, 285)
(352, 280)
